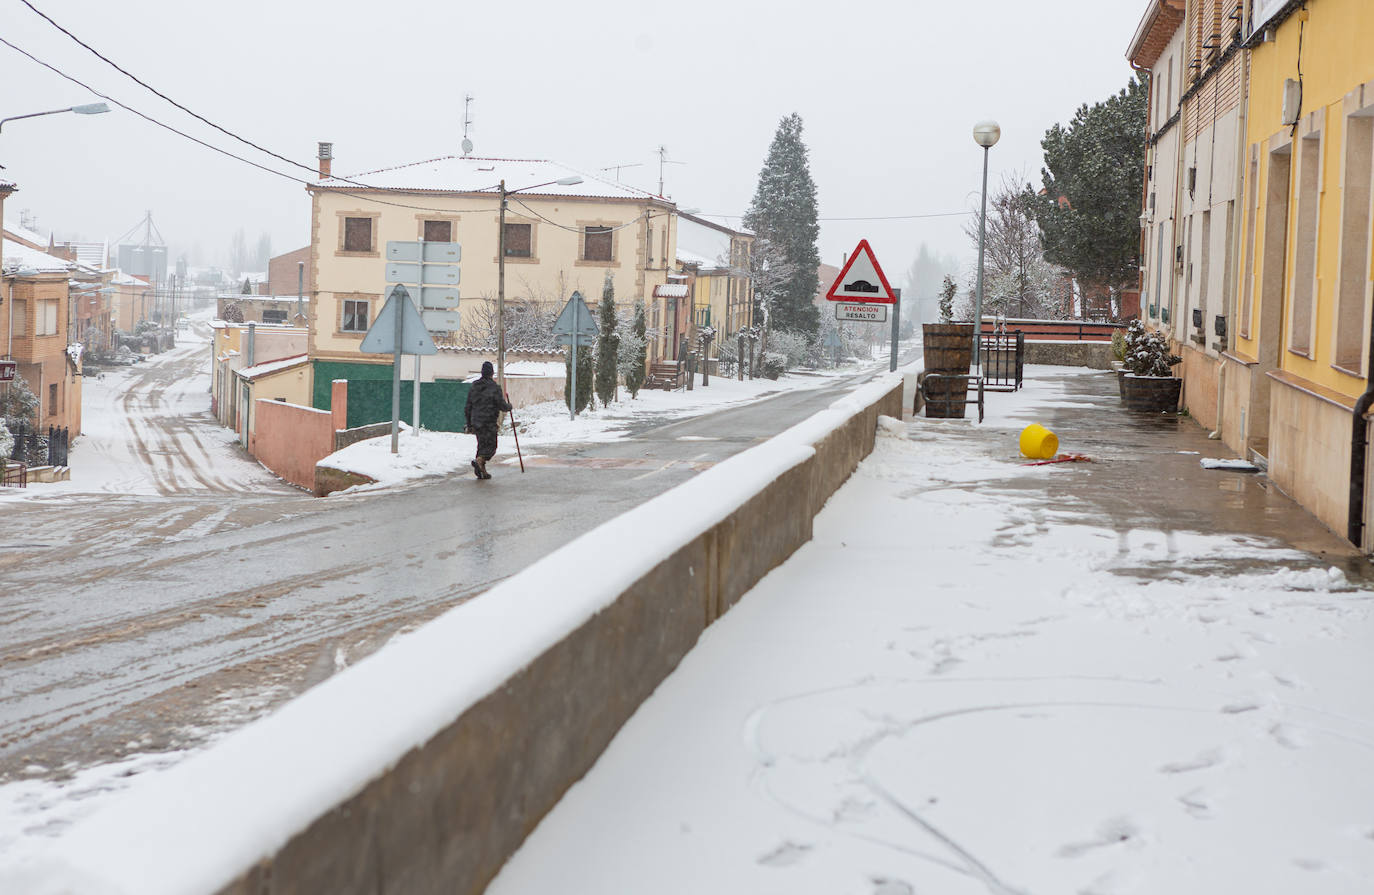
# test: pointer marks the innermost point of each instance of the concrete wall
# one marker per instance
(1094, 355)
(1236, 387)
(1309, 449)
(1199, 371)
(490, 743)
(290, 439)
(527, 390)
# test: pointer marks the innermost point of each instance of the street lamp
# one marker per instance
(84, 109)
(571, 180)
(985, 134)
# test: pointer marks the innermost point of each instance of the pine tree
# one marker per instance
(1090, 208)
(784, 211)
(634, 354)
(585, 364)
(607, 345)
(18, 402)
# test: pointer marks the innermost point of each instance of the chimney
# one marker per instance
(326, 159)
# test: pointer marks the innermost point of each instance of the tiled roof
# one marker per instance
(671, 290)
(1156, 28)
(457, 174)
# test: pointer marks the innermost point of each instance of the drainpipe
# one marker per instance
(1359, 449)
(248, 349)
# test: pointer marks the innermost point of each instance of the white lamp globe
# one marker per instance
(986, 134)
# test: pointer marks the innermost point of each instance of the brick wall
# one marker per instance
(281, 272)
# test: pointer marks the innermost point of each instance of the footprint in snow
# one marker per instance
(1288, 736)
(1197, 803)
(1117, 831)
(785, 855)
(1209, 759)
(883, 886)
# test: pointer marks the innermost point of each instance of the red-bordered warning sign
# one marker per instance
(862, 280)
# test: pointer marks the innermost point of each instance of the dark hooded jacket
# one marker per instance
(485, 404)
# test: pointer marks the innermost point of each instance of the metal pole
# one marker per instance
(415, 392)
(572, 387)
(501, 295)
(396, 376)
(896, 325)
(978, 302)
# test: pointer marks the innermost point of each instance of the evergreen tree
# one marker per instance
(585, 364)
(1017, 280)
(947, 292)
(784, 211)
(1089, 213)
(634, 352)
(607, 345)
(18, 402)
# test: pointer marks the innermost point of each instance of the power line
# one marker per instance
(211, 146)
(889, 217)
(151, 89)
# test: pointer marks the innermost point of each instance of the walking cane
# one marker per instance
(516, 432)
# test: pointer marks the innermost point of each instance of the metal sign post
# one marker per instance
(896, 325)
(397, 330)
(574, 320)
(418, 263)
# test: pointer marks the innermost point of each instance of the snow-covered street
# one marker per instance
(1133, 675)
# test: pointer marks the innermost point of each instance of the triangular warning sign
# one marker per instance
(862, 279)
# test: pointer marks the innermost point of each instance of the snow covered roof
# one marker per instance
(671, 290)
(32, 238)
(701, 261)
(121, 278)
(456, 174)
(273, 366)
(239, 296)
(17, 256)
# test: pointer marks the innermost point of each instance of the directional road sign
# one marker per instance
(435, 275)
(441, 321)
(868, 313)
(429, 252)
(381, 337)
(862, 280)
(435, 297)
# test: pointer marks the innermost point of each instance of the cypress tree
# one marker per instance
(607, 345)
(783, 211)
(636, 359)
(585, 362)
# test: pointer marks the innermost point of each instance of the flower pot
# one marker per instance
(1151, 394)
(948, 347)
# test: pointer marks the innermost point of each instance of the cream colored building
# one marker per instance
(716, 260)
(558, 238)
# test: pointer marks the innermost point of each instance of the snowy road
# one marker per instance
(982, 678)
(192, 591)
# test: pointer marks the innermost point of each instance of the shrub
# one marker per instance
(1119, 345)
(1147, 353)
(773, 365)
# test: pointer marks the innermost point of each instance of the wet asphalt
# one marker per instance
(148, 623)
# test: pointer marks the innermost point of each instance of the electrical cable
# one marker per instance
(636, 219)
(211, 146)
(888, 217)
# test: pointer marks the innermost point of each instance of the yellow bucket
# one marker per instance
(1039, 443)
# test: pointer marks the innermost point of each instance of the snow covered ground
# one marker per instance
(958, 687)
(444, 453)
(147, 429)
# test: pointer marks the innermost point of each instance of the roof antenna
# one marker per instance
(467, 123)
(618, 167)
(663, 160)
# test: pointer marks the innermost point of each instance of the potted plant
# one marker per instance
(1148, 383)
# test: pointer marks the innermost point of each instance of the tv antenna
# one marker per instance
(467, 123)
(617, 168)
(663, 159)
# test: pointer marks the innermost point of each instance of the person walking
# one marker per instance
(482, 414)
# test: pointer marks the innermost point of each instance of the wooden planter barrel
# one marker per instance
(1151, 394)
(948, 347)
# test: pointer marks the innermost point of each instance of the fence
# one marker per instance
(1056, 330)
(34, 447)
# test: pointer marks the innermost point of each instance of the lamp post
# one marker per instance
(985, 134)
(85, 109)
(571, 180)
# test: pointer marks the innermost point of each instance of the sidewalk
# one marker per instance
(1130, 675)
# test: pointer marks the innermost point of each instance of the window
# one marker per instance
(438, 231)
(518, 240)
(1305, 239)
(52, 399)
(356, 313)
(45, 324)
(273, 316)
(21, 317)
(596, 244)
(357, 235)
(1353, 272)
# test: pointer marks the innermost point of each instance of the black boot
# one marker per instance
(481, 465)
(476, 470)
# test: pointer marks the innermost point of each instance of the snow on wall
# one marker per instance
(198, 826)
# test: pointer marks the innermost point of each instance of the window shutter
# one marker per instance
(357, 234)
(438, 231)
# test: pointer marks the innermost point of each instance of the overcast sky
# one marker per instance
(888, 92)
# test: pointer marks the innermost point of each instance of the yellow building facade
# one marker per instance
(1299, 362)
(559, 238)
